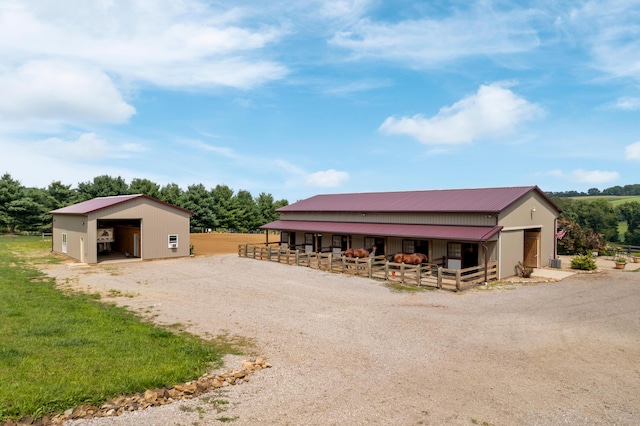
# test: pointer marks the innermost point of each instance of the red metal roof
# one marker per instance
(100, 203)
(490, 200)
(468, 233)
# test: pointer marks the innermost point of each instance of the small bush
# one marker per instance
(584, 262)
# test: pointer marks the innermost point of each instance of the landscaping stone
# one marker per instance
(151, 397)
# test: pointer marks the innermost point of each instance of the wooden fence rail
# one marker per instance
(432, 275)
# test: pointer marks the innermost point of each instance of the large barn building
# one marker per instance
(135, 226)
(460, 228)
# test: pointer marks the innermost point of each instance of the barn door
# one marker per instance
(531, 239)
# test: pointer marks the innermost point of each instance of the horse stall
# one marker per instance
(463, 279)
(422, 274)
(407, 274)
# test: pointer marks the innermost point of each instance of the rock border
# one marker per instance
(151, 397)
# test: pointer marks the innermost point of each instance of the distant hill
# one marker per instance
(615, 200)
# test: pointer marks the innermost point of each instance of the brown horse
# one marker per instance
(360, 252)
(410, 258)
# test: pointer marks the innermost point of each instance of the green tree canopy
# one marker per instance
(10, 192)
(630, 211)
(171, 193)
(197, 199)
(102, 186)
(144, 186)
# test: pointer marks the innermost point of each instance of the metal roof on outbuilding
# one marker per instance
(468, 233)
(99, 203)
(489, 200)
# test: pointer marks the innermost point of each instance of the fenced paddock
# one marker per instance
(377, 267)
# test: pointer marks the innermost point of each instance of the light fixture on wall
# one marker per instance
(533, 209)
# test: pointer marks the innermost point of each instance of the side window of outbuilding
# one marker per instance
(64, 242)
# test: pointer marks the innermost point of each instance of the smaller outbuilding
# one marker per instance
(131, 226)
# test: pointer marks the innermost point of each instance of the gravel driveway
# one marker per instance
(348, 350)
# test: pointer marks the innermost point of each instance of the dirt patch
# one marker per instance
(208, 244)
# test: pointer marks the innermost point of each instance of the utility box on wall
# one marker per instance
(173, 241)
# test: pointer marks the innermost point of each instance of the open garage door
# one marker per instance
(119, 239)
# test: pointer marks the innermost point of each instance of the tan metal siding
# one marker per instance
(157, 221)
(75, 226)
(521, 216)
(511, 247)
(462, 219)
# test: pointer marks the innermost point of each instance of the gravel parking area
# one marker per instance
(348, 350)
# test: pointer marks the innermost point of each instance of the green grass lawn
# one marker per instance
(59, 350)
(615, 200)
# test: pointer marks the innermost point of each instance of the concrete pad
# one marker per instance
(557, 274)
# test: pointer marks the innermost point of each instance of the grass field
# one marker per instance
(61, 350)
(615, 200)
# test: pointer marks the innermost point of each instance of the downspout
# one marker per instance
(555, 238)
(486, 260)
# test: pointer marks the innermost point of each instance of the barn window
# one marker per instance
(284, 237)
(64, 243)
(454, 251)
(408, 246)
(308, 239)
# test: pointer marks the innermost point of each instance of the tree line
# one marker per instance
(26, 209)
(627, 190)
(592, 225)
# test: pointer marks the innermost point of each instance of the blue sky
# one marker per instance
(300, 98)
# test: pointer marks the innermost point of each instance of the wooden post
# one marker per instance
(297, 257)
(419, 276)
(458, 280)
(439, 279)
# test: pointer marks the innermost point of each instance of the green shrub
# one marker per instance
(584, 262)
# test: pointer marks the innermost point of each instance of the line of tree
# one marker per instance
(591, 225)
(627, 190)
(26, 209)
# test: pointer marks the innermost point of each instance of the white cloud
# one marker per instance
(628, 104)
(594, 176)
(327, 179)
(610, 31)
(59, 92)
(494, 110)
(87, 147)
(632, 152)
(39, 163)
(75, 63)
(431, 42)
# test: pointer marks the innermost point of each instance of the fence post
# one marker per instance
(386, 271)
(458, 280)
(419, 272)
(439, 278)
(297, 257)
(402, 273)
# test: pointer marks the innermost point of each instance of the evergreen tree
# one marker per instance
(10, 192)
(197, 199)
(102, 186)
(144, 186)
